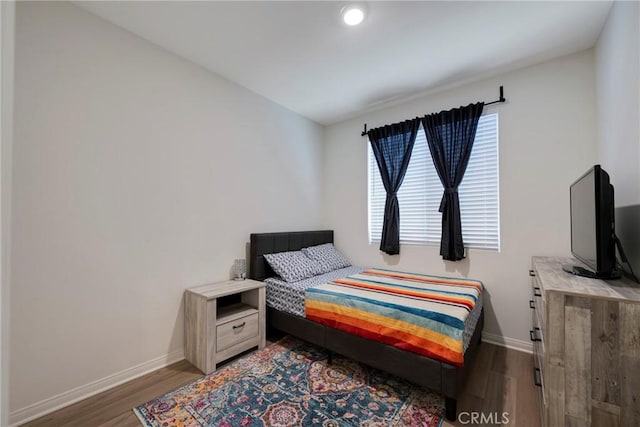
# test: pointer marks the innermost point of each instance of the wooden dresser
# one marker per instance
(586, 336)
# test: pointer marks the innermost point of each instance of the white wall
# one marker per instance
(618, 100)
(136, 174)
(618, 112)
(7, 37)
(547, 139)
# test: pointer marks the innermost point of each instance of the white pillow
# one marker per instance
(327, 256)
(293, 266)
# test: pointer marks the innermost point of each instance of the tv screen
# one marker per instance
(592, 225)
(583, 220)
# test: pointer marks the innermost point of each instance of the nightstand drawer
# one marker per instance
(236, 331)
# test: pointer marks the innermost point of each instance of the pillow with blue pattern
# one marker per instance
(327, 256)
(293, 266)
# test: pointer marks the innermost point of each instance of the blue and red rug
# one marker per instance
(289, 383)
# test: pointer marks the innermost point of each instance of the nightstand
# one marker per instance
(222, 320)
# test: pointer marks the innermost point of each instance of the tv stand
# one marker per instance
(576, 270)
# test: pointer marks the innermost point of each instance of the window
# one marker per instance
(421, 191)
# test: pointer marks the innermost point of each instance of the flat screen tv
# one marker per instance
(593, 225)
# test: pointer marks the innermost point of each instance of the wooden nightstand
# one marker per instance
(218, 328)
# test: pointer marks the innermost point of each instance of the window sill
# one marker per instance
(437, 245)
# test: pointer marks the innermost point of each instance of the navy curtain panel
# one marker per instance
(392, 146)
(450, 136)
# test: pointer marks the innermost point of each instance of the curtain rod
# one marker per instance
(497, 101)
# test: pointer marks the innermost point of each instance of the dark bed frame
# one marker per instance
(433, 374)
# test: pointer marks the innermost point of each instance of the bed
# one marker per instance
(437, 375)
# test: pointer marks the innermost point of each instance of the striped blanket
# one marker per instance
(414, 312)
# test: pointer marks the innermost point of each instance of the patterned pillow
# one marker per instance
(293, 266)
(327, 256)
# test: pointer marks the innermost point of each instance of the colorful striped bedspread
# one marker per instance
(414, 312)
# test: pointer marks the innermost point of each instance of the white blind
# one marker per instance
(421, 191)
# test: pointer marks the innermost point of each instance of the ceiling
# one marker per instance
(299, 55)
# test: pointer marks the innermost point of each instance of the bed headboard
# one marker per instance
(267, 243)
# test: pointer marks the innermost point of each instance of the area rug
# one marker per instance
(290, 383)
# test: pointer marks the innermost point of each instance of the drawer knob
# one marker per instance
(536, 292)
(532, 304)
(241, 325)
(532, 273)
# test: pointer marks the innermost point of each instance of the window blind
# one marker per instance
(421, 192)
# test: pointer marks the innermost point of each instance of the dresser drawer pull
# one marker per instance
(533, 334)
(241, 325)
(532, 304)
(532, 273)
(536, 292)
(537, 380)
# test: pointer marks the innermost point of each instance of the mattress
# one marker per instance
(419, 313)
(289, 297)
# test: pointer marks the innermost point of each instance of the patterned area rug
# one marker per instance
(289, 383)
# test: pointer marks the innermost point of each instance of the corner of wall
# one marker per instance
(7, 36)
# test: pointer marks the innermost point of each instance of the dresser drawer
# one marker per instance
(537, 341)
(538, 298)
(236, 331)
(537, 332)
(538, 367)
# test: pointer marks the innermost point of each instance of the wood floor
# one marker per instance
(501, 381)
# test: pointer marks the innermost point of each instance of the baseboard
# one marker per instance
(507, 342)
(46, 406)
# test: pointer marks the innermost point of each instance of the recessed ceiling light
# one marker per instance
(353, 14)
